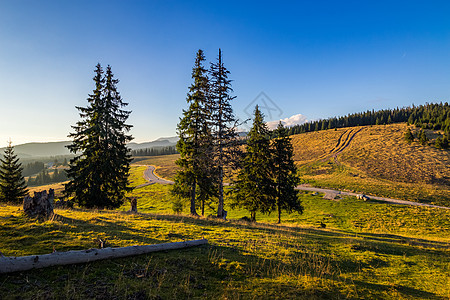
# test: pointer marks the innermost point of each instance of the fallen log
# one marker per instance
(24, 263)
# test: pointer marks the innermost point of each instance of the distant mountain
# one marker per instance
(172, 139)
(161, 142)
(30, 150)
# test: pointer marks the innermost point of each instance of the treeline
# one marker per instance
(38, 166)
(154, 151)
(46, 177)
(434, 116)
(33, 168)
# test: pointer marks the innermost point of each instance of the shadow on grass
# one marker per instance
(122, 231)
(395, 288)
(207, 272)
(301, 231)
(210, 271)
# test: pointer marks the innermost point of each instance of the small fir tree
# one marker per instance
(445, 142)
(438, 143)
(423, 137)
(12, 183)
(409, 137)
(254, 189)
(285, 173)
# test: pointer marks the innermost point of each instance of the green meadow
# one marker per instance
(367, 250)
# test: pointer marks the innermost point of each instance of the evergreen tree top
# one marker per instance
(259, 128)
(12, 183)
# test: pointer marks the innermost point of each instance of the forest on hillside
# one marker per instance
(154, 151)
(435, 116)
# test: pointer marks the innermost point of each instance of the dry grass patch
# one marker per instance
(376, 161)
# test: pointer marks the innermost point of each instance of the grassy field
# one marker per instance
(58, 187)
(375, 160)
(367, 250)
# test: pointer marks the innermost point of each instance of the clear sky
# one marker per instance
(315, 58)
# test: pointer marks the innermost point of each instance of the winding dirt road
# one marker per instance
(149, 175)
(389, 200)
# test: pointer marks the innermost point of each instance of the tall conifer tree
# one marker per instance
(254, 189)
(284, 171)
(195, 141)
(12, 183)
(224, 124)
(99, 171)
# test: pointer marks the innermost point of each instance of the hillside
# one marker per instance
(368, 250)
(375, 159)
(368, 159)
(31, 150)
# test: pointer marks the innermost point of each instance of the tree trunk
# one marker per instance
(279, 213)
(133, 203)
(220, 206)
(193, 210)
(203, 207)
(24, 263)
(253, 216)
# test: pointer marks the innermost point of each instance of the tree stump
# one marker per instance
(40, 205)
(133, 202)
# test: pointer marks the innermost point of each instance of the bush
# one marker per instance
(409, 137)
(177, 206)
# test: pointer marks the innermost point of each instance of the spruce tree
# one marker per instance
(12, 183)
(445, 143)
(423, 137)
(285, 173)
(99, 171)
(224, 123)
(195, 141)
(438, 143)
(409, 137)
(254, 189)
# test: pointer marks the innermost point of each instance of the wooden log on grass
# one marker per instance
(24, 263)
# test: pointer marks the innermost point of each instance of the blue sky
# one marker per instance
(315, 58)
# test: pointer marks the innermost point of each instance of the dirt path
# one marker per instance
(149, 175)
(347, 141)
(389, 200)
(343, 142)
(342, 145)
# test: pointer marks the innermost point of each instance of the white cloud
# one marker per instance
(288, 122)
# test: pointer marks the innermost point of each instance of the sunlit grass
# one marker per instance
(368, 250)
(371, 258)
(377, 161)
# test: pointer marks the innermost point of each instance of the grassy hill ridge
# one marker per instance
(375, 160)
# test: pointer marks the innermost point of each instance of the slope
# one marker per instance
(375, 160)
